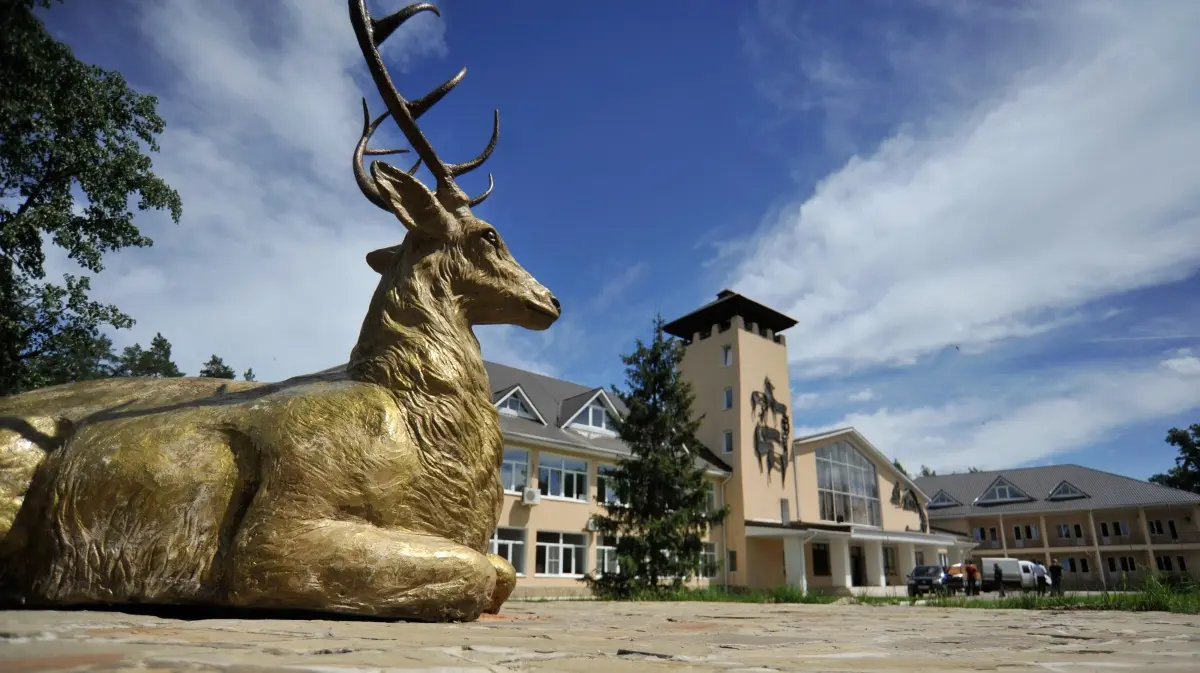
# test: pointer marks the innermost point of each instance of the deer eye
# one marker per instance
(492, 237)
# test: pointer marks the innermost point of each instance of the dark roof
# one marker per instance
(1105, 490)
(727, 305)
(559, 399)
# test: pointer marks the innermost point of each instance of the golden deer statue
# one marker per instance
(368, 490)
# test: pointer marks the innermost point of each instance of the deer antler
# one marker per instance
(371, 33)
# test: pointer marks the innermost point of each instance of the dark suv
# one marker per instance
(925, 579)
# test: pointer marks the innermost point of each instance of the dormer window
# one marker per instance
(596, 416)
(516, 404)
(942, 499)
(1001, 491)
(1066, 491)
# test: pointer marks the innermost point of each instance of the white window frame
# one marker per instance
(708, 560)
(1064, 531)
(727, 441)
(561, 549)
(1013, 494)
(942, 499)
(525, 406)
(606, 556)
(727, 356)
(714, 497)
(512, 465)
(580, 478)
(727, 398)
(509, 548)
(602, 487)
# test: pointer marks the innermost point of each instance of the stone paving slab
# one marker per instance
(596, 636)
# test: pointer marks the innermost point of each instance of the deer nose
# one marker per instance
(554, 300)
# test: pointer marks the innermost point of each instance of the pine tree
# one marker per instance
(216, 368)
(663, 507)
(249, 374)
(155, 361)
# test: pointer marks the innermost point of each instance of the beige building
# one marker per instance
(827, 511)
(1104, 529)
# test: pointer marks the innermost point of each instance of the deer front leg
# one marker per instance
(506, 581)
(358, 568)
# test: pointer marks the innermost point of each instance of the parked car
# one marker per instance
(1018, 574)
(925, 579)
(953, 581)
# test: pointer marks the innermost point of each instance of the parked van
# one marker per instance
(1018, 574)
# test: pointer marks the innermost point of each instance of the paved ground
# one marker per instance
(592, 636)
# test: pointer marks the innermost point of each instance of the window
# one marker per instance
(727, 441)
(1070, 565)
(1171, 529)
(514, 405)
(514, 471)
(1103, 529)
(1066, 491)
(509, 543)
(727, 399)
(820, 555)
(1163, 563)
(1083, 565)
(561, 477)
(1156, 527)
(708, 560)
(1001, 491)
(560, 554)
(847, 487)
(980, 534)
(606, 557)
(1128, 565)
(1064, 530)
(785, 511)
(1119, 529)
(1182, 563)
(731, 560)
(942, 499)
(713, 502)
(595, 415)
(943, 559)
(606, 491)
(1017, 533)
(1112, 564)
(889, 560)
(1031, 532)
(919, 558)
(1079, 531)
(992, 534)
(726, 356)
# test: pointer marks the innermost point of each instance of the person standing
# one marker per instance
(1039, 577)
(998, 578)
(972, 574)
(1056, 571)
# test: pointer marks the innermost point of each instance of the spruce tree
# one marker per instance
(663, 507)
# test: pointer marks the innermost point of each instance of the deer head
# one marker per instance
(464, 253)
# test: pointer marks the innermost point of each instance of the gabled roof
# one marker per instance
(990, 495)
(942, 499)
(1066, 491)
(572, 406)
(877, 457)
(1105, 490)
(525, 401)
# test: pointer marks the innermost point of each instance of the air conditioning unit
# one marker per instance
(592, 525)
(531, 496)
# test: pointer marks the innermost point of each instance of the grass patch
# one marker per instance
(718, 594)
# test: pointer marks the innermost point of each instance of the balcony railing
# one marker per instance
(1119, 540)
(1070, 542)
(987, 544)
(1180, 537)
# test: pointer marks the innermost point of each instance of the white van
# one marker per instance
(1018, 574)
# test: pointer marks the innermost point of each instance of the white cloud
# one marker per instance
(1005, 220)
(267, 266)
(1058, 412)
(864, 395)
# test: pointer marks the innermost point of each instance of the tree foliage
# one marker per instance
(1185, 476)
(927, 471)
(154, 362)
(896, 464)
(74, 151)
(664, 505)
(249, 374)
(216, 368)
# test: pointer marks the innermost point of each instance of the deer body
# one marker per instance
(369, 490)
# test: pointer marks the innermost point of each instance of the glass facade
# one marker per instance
(847, 486)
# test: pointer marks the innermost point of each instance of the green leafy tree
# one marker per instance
(927, 472)
(663, 507)
(1185, 476)
(896, 464)
(153, 362)
(249, 374)
(216, 368)
(74, 144)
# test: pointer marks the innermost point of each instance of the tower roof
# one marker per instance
(727, 305)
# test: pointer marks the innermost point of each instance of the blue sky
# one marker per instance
(982, 214)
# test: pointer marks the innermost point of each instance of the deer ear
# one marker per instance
(380, 260)
(411, 202)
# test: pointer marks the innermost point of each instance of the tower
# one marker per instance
(736, 362)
